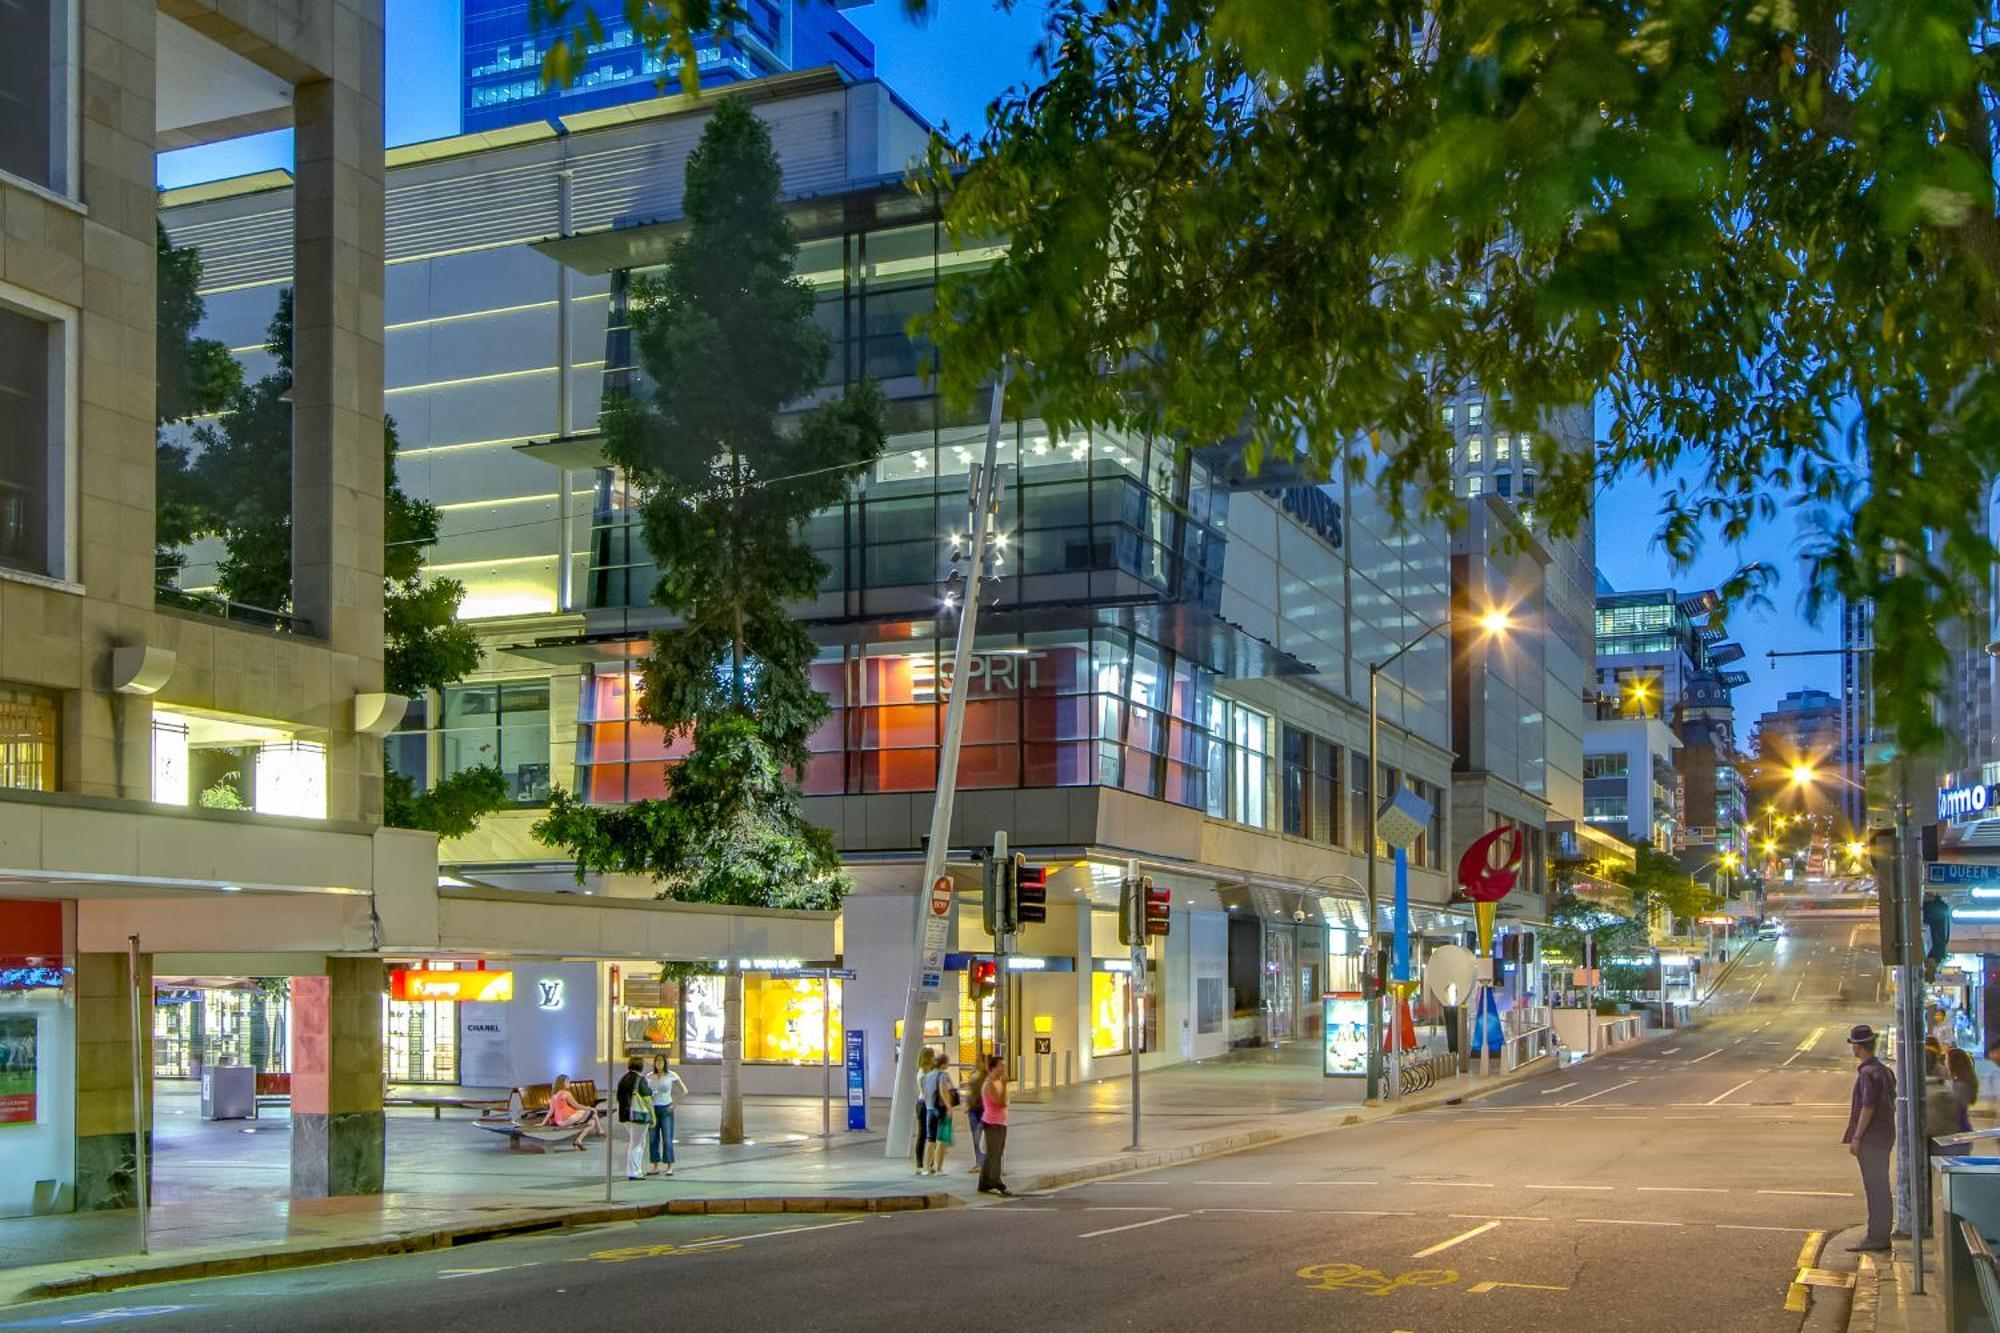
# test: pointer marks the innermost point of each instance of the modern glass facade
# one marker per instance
(1064, 708)
(502, 52)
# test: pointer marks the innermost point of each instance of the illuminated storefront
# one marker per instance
(217, 1023)
(1057, 709)
(785, 1019)
(37, 1056)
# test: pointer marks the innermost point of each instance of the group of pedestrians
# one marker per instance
(1951, 1086)
(984, 1096)
(646, 1109)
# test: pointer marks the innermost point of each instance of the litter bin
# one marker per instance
(1968, 1190)
(228, 1092)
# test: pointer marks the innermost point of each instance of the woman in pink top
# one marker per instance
(565, 1111)
(993, 1114)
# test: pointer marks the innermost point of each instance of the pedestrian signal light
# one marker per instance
(985, 978)
(1031, 892)
(1157, 901)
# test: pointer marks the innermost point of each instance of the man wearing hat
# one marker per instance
(1871, 1133)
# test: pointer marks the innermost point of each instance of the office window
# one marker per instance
(1475, 448)
(504, 725)
(1326, 808)
(1503, 447)
(1449, 413)
(1239, 764)
(1297, 815)
(31, 439)
(1474, 484)
(27, 739)
(1606, 765)
(34, 93)
(1357, 799)
(1475, 413)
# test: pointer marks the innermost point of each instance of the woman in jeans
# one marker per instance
(660, 1142)
(975, 1109)
(994, 1093)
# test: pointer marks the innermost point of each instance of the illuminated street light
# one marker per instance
(1804, 775)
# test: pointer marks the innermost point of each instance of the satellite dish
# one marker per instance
(1450, 974)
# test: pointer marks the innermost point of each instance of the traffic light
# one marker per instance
(1885, 853)
(1156, 903)
(1031, 892)
(992, 896)
(985, 978)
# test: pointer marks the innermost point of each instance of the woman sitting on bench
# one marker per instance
(565, 1112)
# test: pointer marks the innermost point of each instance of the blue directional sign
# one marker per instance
(857, 1079)
(1962, 874)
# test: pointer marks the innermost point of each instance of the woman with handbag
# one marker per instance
(635, 1112)
(941, 1095)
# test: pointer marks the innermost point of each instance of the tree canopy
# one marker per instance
(1761, 235)
(729, 473)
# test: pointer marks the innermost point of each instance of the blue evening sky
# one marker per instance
(948, 68)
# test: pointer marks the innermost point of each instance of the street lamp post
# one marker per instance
(1493, 622)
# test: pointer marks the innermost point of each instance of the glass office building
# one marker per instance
(502, 52)
(1172, 646)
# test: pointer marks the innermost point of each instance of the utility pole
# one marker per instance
(1915, 1161)
(1132, 927)
(926, 972)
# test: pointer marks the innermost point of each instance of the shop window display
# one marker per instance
(784, 1019)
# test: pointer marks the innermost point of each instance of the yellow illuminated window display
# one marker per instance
(1108, 991)
(784, 1019)
(977, 1017)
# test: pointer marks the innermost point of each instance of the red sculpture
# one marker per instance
(1479, 877)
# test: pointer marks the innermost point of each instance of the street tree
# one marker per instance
(1762, 236)
(729, 469)
(236, 485)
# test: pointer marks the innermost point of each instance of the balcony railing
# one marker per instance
(236, 613)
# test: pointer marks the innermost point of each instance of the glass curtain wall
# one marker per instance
(1066, 708)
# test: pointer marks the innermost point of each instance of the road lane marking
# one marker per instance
(1813, 1194)
(1670, 1050)
(1247, 1210)
(1626, 1222)
(766, 1235)
(1682, 1189)
(1710, 1056)
(1812, 1039)
(1600, 1092)
(1229, 1182)
(1557, 1088)
(1493, 1217)
(1481, 1288)
(1461, 1184)
(1133, 1226)
(1128, 1208)
(1745, 1226)
(1567, 1187)
(1333, 1182)
(1459, 1239)
(1738, 1088)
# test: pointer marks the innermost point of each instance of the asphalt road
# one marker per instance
(1670, 1189)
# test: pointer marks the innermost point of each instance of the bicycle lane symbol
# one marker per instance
(1372, 1281)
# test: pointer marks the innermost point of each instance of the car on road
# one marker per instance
(1771, 929)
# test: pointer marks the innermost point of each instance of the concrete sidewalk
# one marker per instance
(222, 1187)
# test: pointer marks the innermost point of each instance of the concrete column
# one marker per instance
(1086, 1063)
(105, 1156)
(337, 473)
(337, 1125)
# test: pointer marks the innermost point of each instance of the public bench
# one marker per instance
(524, 1121)
(439, 1103)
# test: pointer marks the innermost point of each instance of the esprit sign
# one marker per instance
(463, 986)
(1961, 803)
